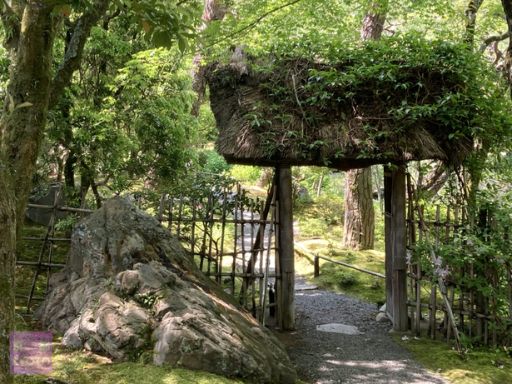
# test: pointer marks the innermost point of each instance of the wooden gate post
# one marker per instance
(388, 238)
(399, 241)
(286, 263)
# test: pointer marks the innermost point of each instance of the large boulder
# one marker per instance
(130, 289)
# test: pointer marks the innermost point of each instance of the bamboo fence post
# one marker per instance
(222, 232)
(235, 240)
(432, 311)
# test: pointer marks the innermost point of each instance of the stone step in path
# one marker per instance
(338, 341)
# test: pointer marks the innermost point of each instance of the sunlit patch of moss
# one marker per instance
(345, 280)
(479, 366)
(86, 368)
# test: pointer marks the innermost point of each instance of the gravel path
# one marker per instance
(329, 358)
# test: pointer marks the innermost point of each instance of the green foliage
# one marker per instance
(392, 86)
(165, 22)
(211, 162)
(245, 173)
(66, 224)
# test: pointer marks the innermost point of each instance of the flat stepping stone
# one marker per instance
(305, 287)
(338, 328)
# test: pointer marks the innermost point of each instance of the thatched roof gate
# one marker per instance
(273, 114)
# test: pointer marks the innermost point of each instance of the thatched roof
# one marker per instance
(273, 114)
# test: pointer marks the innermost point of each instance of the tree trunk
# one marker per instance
(359, 227)
(32, 24)
(21, 128)
(471, 11)
(507, 8)
(7, 269)
(213, 10)
(26, 104)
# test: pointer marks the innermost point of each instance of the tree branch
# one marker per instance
(492, 39)
(11, 22)
(253, 23)
(75, 49)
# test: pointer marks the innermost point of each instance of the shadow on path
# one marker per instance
(328, 358)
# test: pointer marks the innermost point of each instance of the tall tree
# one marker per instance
(507, 8)
(359, 224)
(31, 28)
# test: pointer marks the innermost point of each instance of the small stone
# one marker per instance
(338, 328)
(382, 317)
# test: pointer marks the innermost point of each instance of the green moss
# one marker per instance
(86, 368)
(344, 280)
(476, 367)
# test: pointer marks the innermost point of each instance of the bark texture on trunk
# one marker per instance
(22, 125)
(359, 226)
(507, 8)
(7, 268)
(26, 104)
(471, 12)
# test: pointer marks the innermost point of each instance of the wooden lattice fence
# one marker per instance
(230, 235)
(232, 239)
(445, 281)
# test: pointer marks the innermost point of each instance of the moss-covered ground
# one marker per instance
(86, 368)
(477, 366)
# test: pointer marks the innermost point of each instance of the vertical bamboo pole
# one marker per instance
(205, 219)
(261, 252)
(210, 232)
(222, 234)
(286, 299)
(180, 217)
(433, 307)
(252, 208)
(193, 230)
(170, 217)
(245, 279)
(447, 319)
(235, 237)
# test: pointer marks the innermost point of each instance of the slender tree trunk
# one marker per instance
(507, 8)
(359, 225)
(471, 12)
